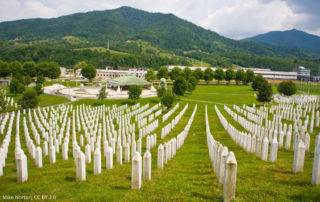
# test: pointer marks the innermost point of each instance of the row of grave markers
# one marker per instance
(223, 162)
(141, 168)
(260, 145)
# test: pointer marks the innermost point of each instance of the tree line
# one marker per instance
(207, 75)
(67, 57)
(22, 74)
(227, 58)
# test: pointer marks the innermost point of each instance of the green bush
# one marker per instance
(287, 88)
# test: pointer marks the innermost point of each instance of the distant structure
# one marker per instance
(303, 73)
(126, 82)
(170, 67)
(122, 84)
(110, 73)
(5, 82)
(270, 74)
(300, 73)
(64, 71)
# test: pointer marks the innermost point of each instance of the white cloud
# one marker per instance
(40, 9)
(231, 18)
(249, 17)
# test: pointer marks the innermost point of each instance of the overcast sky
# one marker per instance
(231, 18)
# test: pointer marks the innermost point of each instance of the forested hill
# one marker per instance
(291, 38)
(139, 33)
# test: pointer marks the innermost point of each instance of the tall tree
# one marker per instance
(187, 73)
(102, 94)
(175, 72)
(192, 83)
(230, 75)
(179, 86)
(29, 99)
(134, 93)
(168, 98)
(264, 92)
(38, 88)
(249, 76)
(77, 66)
(53, 70)
(198, 74)
(26, 80)
(29, 68)
(219, 75)
(240, 76)
(15, 68)
(16, 87)
(4, 69)
(48, 69)
(257, 82)
(150, 75)
(3, 102)
(161, 91)
(162, 73)
(287, 88)
(89, 72)
(208, 75)
(40, 79)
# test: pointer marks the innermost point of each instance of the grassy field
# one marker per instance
(44, 100)
(304, 87)
(186, 177)
(66, 83)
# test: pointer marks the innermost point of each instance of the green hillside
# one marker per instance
(292, 38)
(142, 34)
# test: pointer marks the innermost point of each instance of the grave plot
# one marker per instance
(266, 139)
(141, 166)
(223, 162)
(86, 135)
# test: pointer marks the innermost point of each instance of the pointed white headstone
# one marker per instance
(230, 178)
(147, 165)
(136, 171)
(97, 161)
(265, 149)
(316, 167)
(81, 166)
(223, 156)
(38, 157)
(22, 167)
(274, 149)
(52, 154)
(298, 160)
(88, 154)
(109, 158)
(160, 156)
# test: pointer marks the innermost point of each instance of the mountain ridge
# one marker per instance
(291, 38)
(129, 30)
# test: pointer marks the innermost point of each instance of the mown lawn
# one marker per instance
(186, 177)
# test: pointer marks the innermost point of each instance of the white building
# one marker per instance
(110, 73)
(270, 74)
(266, 73)
(170, 67)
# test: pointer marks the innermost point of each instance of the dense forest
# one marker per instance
(148, 39)
(68, 57)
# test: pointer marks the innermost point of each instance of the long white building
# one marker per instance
(266, 73)
(270, 74)
(111, 74)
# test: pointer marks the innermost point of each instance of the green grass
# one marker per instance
(222, 94)
(66, 83)
(44, 100)
(186, 177)
(305, 87)
(48, 100)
